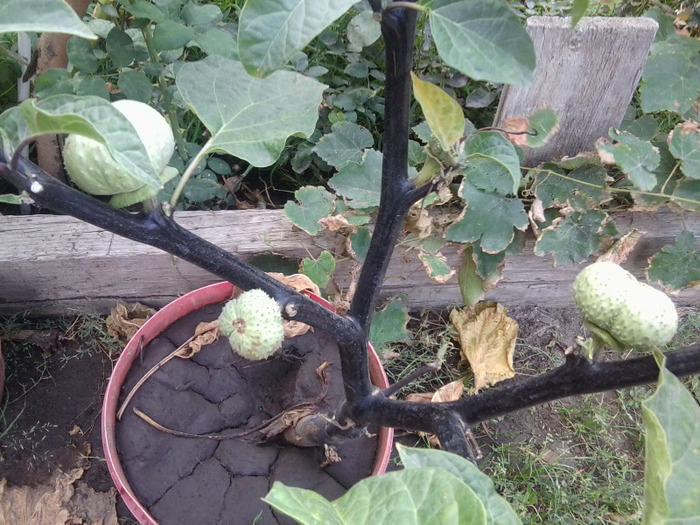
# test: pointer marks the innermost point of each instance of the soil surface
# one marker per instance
(53, 395)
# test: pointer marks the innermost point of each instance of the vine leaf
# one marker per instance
(672, 452)
(684, 143)
(587, 190)
(487, 338)
(442, 113)
(363, 30)
(270, 32)
(489, 217)
(346, 143)
(39, 16)
(687, 194)
(248, 117)
(492, 163)
(676, 266)
(472, 282)
(636, 157)
(389, 326)
(361, 183)
(577, 11)
(315, 203)
(572, 239)
(671, 77)
(437, 267)
(484, 40)
(319, 270)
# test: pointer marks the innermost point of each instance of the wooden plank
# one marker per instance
(587, 75)
(58, 265)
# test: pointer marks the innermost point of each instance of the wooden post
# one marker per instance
(587, 75)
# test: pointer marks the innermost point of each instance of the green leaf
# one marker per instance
(436, 266)
(201, 15)
(546, 123)
(170, 34)
(319, 270)
(147, 10)
(670, 80)
(687, 195)
(676, 266)
(96, 118)
(498, 510)
(645, 127)
(249, 118)
(346, 143)
(217, 41)
(586, 191)
(315, 203)
(361, 183)
(442, 113)
(120, 48)
(484, 40)
(135, 85)
(637, 158)
(672, 425)
(401, 497)
(272, 31)
(489, 217)
(360, 243)
(473, 280)
(39, 16)
(684, 143)
(572, 239)
(492, 164)
(578, 10)
(81, 55)
(9, 198)
(92, 85)
(389, 325)
(201, 190)
(363, 30)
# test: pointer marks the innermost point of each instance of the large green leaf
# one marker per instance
(38, 16)
(272, 31)
(408, 497)
(249, 117)
(442, 113)
(483, 39)
(573, 238)
(492, 163)
(684, 144)
(671, 79)
(489, 217)
(678, 265)
(362, 183)
(389, 325)
(498, 510)
(672, 424)
(319, 270)
(560, 192)
(92, 117)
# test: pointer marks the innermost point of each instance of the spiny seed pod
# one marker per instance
(633, 313)
(253, 324)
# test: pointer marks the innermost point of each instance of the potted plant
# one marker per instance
(400, 189)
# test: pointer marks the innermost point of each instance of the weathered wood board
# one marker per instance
(587, 75)
(58, 265)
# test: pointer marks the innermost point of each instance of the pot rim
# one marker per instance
(154, 326)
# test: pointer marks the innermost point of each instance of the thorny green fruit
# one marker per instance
(93, 169)
(253, 324)
(633, 313)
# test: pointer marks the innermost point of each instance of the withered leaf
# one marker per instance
(619, 251)
(126, 318)
(204, 334)
(487, 338)
(418, 222)
(518, 126)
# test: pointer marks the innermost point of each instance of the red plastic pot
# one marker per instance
(215, 293)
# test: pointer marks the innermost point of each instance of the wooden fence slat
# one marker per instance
(587, 75)
(59, 265)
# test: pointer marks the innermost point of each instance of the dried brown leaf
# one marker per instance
(621, 249)
(126, 318)
(520, 126)
(418, 222)
(487, 338)
(204, 334)
(335, 223)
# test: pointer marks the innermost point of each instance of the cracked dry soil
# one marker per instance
(185, 480)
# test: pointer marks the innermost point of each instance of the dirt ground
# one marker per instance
(56, 378)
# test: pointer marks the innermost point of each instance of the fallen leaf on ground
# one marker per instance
(126, 318)
(487, 337)
(61, 501)
(204, 334)
(449, 392)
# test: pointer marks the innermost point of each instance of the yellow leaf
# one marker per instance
(487, 337)
(442, 113)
